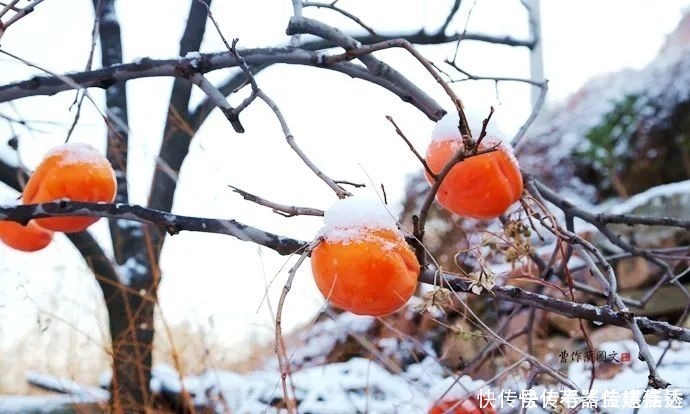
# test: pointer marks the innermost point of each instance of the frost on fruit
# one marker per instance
(350, 218)
(446, 129)
(76, 153)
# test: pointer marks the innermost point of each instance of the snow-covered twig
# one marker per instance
(65, 386)
(171, 223)
(204, 63)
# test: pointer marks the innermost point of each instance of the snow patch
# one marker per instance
(632, 381)
(346, 218)
(130, 270)
(317, 342)
(192, 55)
(446, 129)
(650, 195)
(76, 153)
(8, 156)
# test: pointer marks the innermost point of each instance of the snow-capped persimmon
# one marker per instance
(29, 238)
(77, 172)
(472, 405)
(364, 265)
(481, 186)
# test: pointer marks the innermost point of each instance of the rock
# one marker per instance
(621, 133)
(669, 200)
(633, 272)
(609, 333)
(462, 343)
(565, 325)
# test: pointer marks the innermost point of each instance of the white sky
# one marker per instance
(339, 122)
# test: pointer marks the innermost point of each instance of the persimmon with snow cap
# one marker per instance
(363, 264)
(481, 186)
(76, 172)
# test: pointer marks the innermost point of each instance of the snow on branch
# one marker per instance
(171, 223)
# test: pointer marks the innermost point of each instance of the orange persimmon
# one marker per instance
(29, 238)
(77, 172)
(481, 186)
(472, 405)
(364, 264)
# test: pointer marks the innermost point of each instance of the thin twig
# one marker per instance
(533, 115)
(280, 350)
(282, 209)
(490, 78)
(20, 13)
(8, 6)
(339, 191)
(412, 148)
(350, 183)
(345, 13)
(79, 98)
(453, 10)
(655, 380)
(482, 134)
(404, 44)
(62, 78)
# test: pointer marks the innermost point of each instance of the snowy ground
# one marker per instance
(360, 385)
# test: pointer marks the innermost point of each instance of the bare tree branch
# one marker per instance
(515, 142)
(219, 100)
(344, 12)
(163, 221)
(375, 66)
(173, 224)
(19, 13)
(184, 67)
(363, 53)
(563, 307)
(453, 11)
(282, 209)
(412, 148)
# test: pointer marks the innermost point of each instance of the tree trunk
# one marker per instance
(131, 330)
